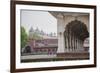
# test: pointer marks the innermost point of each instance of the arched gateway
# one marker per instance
(75, 33)
(72, 30)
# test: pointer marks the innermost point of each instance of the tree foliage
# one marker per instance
(24, 37)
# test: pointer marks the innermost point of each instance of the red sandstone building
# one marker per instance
(44, 46)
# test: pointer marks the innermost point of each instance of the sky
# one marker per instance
(42, 20)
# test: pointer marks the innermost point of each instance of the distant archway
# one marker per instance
(75, 34)
(27, 49)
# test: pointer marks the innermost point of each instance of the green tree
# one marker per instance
(24, 37)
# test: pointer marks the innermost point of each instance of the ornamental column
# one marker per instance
(60, 33)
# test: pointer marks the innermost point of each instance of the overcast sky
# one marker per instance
(41, 19)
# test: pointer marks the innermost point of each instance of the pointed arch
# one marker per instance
(74, 34)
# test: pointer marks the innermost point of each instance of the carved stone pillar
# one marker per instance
(60, 27)
(66, 40)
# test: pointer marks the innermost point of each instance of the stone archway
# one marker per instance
(74, 35)
(27, 49)
(67, 18)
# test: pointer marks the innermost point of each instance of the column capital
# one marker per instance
(60, 15)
